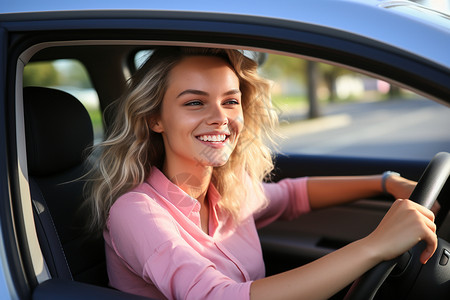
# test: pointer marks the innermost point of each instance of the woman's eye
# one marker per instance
(232, 101)
(193, 103)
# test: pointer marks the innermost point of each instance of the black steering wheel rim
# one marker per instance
(426, 192)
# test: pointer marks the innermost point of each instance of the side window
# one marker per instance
(329, 110)
(141, 57)
(71, 77)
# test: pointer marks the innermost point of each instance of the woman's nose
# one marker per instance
(217, 116)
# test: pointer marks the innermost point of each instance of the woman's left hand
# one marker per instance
(402, 188)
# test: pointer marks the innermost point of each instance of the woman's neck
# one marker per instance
(193, 180)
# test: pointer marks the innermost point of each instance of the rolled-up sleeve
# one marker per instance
(152, 247)
(287, 199)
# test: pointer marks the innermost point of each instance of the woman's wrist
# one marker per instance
(371, 248)
(384, 180)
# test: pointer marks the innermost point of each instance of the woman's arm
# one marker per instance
(404, 225)
(327, 191)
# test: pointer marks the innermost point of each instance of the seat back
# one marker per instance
(58, 131)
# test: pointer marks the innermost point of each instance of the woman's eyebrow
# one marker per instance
(195, 92)
(203, 93)
(232, 92)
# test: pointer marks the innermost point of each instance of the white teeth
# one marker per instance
(213, 138)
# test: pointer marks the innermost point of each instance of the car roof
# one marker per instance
(395, 23)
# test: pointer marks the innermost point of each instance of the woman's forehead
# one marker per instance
(203, 70)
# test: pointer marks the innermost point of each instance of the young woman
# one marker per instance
(178, 190)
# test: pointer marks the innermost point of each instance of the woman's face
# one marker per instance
(201, 115)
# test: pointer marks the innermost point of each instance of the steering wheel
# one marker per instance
(425, 193)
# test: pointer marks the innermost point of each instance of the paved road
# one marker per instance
(416, 128)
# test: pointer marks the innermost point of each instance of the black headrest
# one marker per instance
(58, 130)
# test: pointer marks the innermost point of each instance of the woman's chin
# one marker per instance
(213, 163)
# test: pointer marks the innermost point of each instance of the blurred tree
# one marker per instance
(56, 73)
(40, 74)
(279, 67)
(307, 73)
(313, 76)
(330, 74)
(394, 92)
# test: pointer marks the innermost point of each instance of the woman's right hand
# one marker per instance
(404, 225)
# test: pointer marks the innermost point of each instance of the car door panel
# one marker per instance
(288, 244)
(296, 165)
(71, 290)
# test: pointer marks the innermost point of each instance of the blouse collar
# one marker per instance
(188, 205)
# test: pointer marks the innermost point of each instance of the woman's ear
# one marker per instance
(156, 125)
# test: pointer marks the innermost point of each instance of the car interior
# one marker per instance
(58, 132)
(58, 137)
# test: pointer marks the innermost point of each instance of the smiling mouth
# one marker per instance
(213, 138)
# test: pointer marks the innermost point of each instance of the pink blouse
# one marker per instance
(155, 246)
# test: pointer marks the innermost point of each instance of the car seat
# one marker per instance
(58, 133)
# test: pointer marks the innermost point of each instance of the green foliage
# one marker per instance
(279, 67)
(40, 74)
(56, 73)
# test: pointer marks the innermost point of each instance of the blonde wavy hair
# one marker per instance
(132, 148)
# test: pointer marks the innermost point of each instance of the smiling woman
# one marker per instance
(201, 103)
(161, 111)
(178, 192)
(187, 124)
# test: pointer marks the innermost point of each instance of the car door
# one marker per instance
(23, 271)
(13, 281)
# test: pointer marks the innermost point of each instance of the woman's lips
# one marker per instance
(214, 140)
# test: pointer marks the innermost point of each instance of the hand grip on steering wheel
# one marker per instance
(426, 192)
(432, 180)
